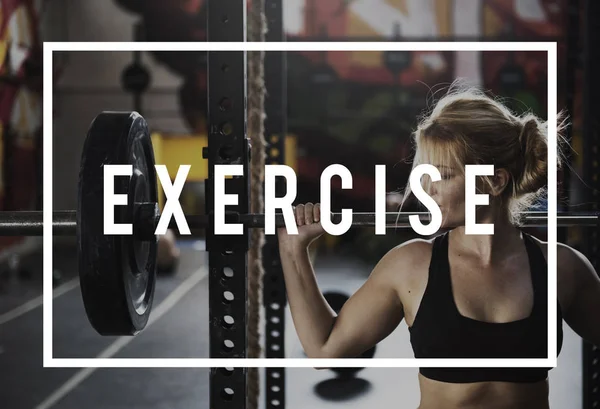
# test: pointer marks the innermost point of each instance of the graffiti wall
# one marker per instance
(20, 106)
(346, 105)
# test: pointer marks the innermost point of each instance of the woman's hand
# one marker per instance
(308, 221)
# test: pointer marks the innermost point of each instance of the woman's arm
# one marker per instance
(369, 316)
(580, 285)
(372, 313)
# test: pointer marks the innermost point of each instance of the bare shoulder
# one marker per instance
(567, 258)
(573, 268)
(406, 264)
(410, 253)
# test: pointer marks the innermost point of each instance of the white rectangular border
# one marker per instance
(50, 47)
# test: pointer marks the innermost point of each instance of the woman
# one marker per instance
(461, 295)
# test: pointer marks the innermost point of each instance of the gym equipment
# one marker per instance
(118, 271)
(590, 62)
(30, 223)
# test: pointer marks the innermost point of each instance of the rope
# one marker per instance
(256, 115)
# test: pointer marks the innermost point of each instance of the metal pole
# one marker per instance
(227, 144)
(591, 175)
(274, 292)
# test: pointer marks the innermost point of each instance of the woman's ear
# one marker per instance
(500, 181)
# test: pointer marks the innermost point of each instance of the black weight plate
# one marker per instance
(117, 272)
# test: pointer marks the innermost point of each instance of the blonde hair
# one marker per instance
(468, 126)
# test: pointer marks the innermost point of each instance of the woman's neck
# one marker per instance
(489, 249)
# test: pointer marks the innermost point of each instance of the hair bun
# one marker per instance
(534, 152)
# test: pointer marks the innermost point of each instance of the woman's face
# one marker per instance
(449, 194)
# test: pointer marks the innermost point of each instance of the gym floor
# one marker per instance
(179, 329)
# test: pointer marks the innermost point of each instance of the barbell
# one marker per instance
(118, 272)
(64, 222)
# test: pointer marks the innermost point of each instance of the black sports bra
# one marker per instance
(440, 331)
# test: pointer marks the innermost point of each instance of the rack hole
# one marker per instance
(228, 297)
(228, 321)
(227, 394)
(226, 128)
(225, 104)
(227, 272)
(228, 345)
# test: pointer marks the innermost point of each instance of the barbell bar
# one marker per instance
(64, 223)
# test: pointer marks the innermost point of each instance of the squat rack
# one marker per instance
(227, 144)
(591, 173)
(228, 261)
